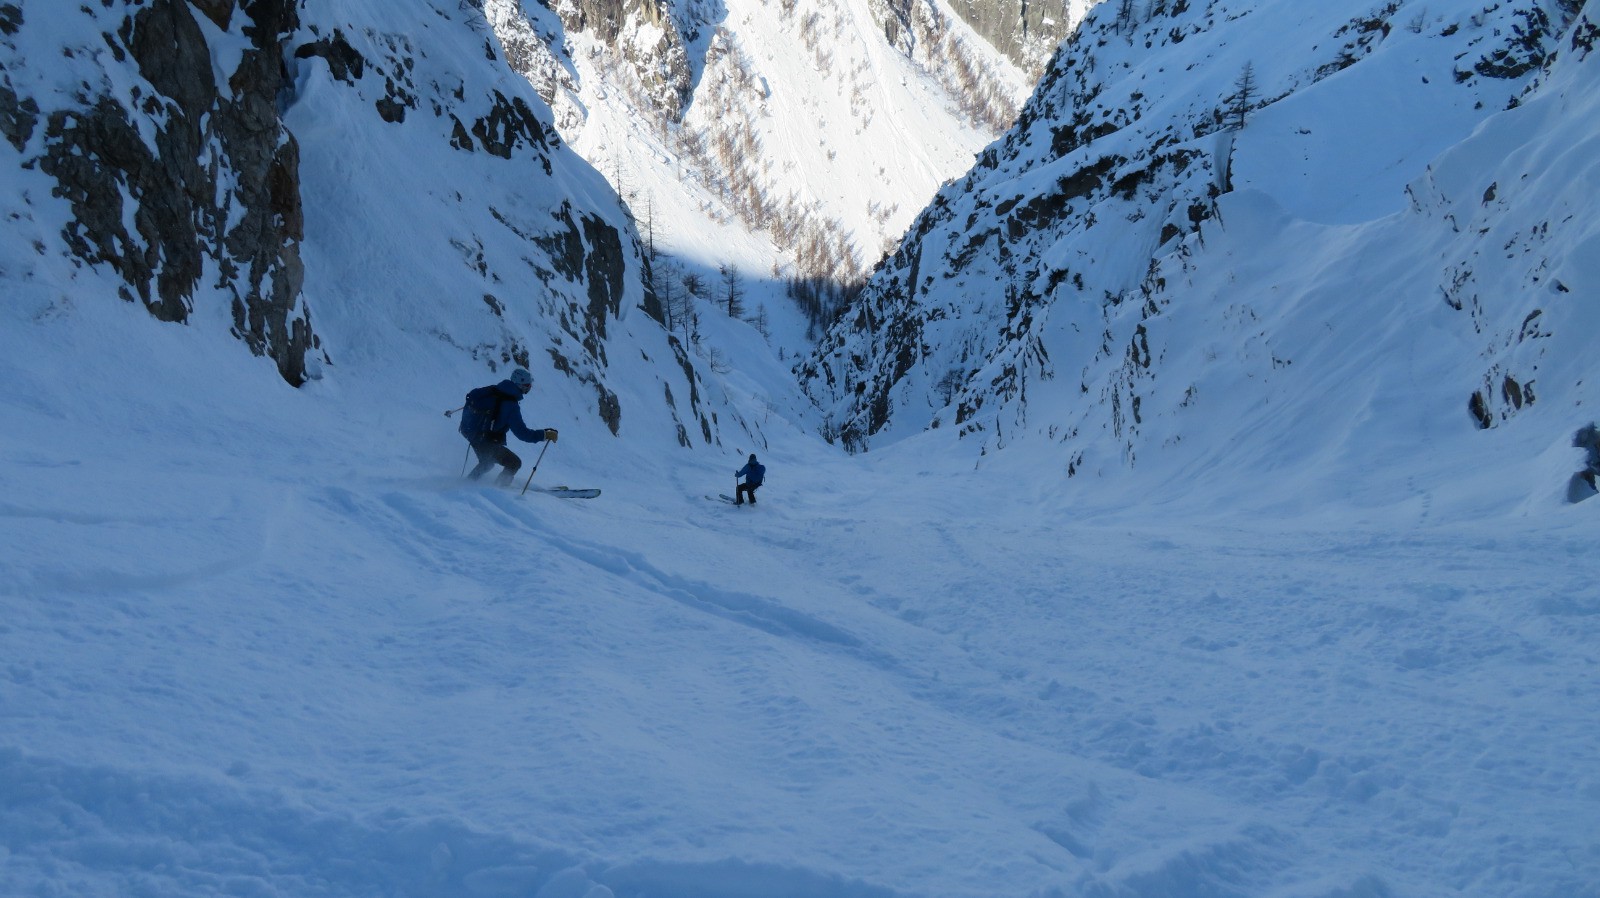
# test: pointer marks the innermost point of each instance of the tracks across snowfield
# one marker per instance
(871, 684)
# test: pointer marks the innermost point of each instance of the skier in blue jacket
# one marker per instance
(753, 472)
(490, 413)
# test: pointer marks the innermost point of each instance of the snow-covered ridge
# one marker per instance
(1129, 267)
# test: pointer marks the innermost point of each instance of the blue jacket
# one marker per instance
(752, 473)
(509, 419)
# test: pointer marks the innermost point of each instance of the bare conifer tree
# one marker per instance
(1125, 14)
(1244, 94)
(732, 290)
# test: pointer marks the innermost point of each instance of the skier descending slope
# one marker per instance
(490, 412)
(753, 473)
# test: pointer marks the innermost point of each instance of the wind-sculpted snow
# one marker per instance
(104, 831)
(100, 830)
(1225, 223)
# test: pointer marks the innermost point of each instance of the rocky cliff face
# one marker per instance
(661, 42)
(182, 173)
(363, 164)
(1027, 31)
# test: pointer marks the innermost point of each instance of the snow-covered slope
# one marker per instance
(263, 641)
(794, 140)
(1135, 279)
(259, 640)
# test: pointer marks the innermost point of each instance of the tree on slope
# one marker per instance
(732, 290)
(1244, 94)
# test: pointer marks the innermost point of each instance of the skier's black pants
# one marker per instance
(491, 453)
(746, 488)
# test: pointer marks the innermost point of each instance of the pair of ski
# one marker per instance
(563, 492)
(724, 497)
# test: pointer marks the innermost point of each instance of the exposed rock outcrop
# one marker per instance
(1586, 482)
(182, 177)
(186, 183)
(654, 37)
(1027, 32)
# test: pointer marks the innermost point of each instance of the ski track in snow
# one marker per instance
(391, 686)
(1220, 708)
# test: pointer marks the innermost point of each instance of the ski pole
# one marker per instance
(534, 468)
(469, 445)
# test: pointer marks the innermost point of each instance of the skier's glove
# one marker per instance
(549, 434)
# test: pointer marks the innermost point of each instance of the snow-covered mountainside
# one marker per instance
(794, 139)
(1319, 638)
(305, 176)
(1307, 222)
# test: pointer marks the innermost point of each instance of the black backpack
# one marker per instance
(481, 414)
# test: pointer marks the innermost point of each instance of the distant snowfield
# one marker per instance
(264, 642)
(862, 141)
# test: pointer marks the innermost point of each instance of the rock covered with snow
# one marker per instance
(159, 125)
(1026, 32)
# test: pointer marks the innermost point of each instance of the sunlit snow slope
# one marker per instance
(792, 140)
